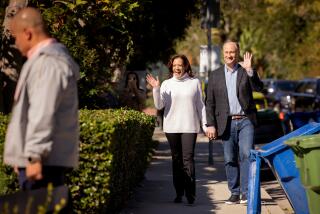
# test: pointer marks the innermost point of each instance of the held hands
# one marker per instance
(152, 81)
(211, 133)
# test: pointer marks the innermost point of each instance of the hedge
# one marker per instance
(115, 149)
(8, 179)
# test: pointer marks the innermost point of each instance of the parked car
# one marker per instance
(260, 100)
(269, 127)
(306, 96)
(277, 92)
(269, 124)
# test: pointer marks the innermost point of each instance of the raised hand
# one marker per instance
(152, 81)
(247, 61)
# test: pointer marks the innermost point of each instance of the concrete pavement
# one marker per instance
(156, 192)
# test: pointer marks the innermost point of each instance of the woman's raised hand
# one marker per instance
(152, 81)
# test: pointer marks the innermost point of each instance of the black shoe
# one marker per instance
(244, 199)
(234, 199)
(178, 199)
(190, 199)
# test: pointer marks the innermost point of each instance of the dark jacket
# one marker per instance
(217, 104)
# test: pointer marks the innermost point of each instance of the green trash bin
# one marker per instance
(307, 156)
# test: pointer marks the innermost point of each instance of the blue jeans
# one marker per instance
(237, 142)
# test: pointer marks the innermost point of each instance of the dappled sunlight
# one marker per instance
(156, 193)
(210, 169)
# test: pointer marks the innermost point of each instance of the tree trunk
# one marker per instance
(11, 60)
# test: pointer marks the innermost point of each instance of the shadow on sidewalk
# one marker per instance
(156, 192)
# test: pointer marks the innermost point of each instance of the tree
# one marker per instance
(156, 29)
(104, 35)
(281, 33)
(10, 59)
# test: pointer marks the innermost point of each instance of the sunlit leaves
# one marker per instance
(104, 35)
(281, 33)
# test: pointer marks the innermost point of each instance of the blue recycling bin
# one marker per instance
(281, 160)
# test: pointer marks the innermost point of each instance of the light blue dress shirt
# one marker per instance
(231, 83)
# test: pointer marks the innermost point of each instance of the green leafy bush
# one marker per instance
(8, 179)
(115, 149)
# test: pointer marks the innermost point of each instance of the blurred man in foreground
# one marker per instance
(42, 137)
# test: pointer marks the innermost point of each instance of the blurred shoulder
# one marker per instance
(195, 80)
(216, 72)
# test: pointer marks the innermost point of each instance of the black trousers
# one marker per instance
(182, 150)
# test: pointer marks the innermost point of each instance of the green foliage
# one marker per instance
(281, 34)
(91, 31)
(103, 35)
(3, 5)
(8, 179)
(115, 149)
(190, 44)
(157, 27)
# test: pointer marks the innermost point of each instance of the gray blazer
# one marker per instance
(217, 104)
(44, 122)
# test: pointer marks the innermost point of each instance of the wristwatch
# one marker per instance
(33, 159)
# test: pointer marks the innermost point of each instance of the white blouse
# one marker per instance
(184, 110)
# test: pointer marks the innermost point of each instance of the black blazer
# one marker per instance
(217, 104)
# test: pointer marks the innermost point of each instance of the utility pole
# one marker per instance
(210, 17)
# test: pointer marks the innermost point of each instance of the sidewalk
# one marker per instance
(156, 192)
